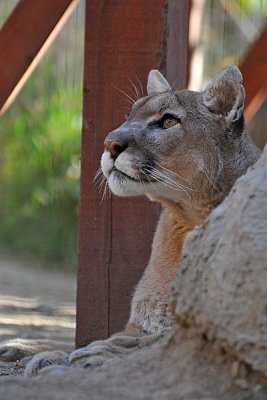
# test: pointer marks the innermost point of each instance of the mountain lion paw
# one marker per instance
(101, 351)
(97, 353)
(46, 359)
(91, 356)
(16, 349)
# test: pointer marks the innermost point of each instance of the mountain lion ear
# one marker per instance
(225, 95)
(156, 83)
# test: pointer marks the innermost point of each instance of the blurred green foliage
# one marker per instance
(39, 169)
(252, 7)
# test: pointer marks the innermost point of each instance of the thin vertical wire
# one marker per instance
(210, 8)
(237, 59)
(75, 48)
(224, 34)
(58, 69)
(210, 44)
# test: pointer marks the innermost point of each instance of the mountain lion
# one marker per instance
(184, 150)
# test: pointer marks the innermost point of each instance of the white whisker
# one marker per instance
(101, 183)
(173, 181)
(140, 84)
(100, 186)
(104, 193)
(137, 93)
(165, 180)
(98, 174)
(149, 180)
(125, 94)
(210, 179)
(174, 173)
(170, 184)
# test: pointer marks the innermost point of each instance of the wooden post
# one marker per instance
(123, 40)
(24, 38)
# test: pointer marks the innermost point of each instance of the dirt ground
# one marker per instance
(35, 303)
(39, 304)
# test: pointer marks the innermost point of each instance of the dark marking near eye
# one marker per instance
(159, 123)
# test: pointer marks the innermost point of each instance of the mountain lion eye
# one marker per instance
(169, 121)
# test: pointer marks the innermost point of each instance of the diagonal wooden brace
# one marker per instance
(254, 70)
(24, 38)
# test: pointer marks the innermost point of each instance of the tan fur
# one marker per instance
(149, 304)
(189, 168)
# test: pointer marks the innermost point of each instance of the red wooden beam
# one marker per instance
(24, 38)
(254, 70)
(124, 39)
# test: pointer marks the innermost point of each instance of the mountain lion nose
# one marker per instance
(115, 148)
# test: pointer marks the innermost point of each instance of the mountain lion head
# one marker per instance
(178, 145)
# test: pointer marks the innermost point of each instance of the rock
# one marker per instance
(221, 284)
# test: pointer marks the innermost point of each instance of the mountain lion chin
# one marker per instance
(120, 185)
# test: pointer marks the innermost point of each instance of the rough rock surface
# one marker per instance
(221, 284)
(218, 347)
